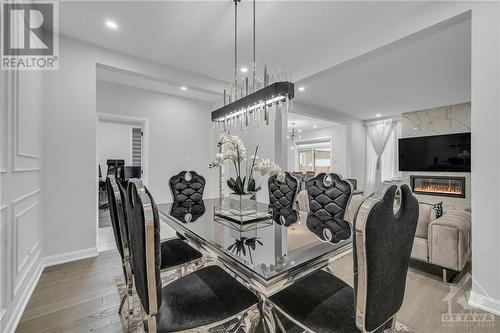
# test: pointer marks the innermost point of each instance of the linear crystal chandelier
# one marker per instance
(252, 104)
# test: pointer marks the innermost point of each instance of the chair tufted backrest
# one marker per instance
(328, 200)
(282, 194)
(187, 211)
(332, 230)
(385, 228)
(285, 216)
(144, 225)
(187, 186)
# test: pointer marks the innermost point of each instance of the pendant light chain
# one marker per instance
(254, 66)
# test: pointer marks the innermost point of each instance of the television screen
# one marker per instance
(449, 152)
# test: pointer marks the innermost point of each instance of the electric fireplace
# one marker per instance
(438, 185)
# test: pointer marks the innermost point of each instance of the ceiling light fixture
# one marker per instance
(111, 24)
(244, 69)
(243, 103)
(378, 115)
(184, 88)
(302, 88)
(315, 126)
(299, 130)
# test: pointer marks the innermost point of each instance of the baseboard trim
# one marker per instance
(70, 256)
(24, 299)
(484, 303)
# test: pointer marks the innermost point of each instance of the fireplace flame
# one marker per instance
(438, 189)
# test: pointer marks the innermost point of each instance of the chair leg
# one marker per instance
(279, 323)
(130, 300)
(122, 302)
(268, 317)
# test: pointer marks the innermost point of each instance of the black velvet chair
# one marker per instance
(285, 216)
(282, 194)
(384, 231)
(329, 196)
(187, 211)
(200, 299)
(187, 186)
(116, 195)
(176, 253)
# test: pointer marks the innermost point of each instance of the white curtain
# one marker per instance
(378, 134)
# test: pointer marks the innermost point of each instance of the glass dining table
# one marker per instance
(267, 254)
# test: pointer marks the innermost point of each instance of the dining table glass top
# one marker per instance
(267, 247)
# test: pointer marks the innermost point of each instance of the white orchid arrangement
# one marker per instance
(236, 152)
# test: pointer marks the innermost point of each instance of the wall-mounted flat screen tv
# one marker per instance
(450, 152)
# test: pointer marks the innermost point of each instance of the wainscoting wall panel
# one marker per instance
(20, 200)
(4, 248)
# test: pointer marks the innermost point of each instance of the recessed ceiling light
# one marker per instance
(299, 130)
(111, 24)
(302, 88)
(378, 115)
(184, 88)
(315, 126)
(244, 69)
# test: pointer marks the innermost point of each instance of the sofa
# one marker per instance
(444, 241)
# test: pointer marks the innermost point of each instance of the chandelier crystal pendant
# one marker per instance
(244, 105)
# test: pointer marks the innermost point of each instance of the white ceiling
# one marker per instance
(304, 123)
(424, 73)
(197, 36)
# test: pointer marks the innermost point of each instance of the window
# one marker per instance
(136, 146)
(315, 155)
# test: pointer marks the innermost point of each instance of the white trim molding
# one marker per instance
(24, 299)
(70, 256)
(484, 303)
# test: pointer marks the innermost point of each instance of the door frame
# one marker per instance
(127, 120)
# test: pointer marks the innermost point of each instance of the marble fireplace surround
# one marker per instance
(442, 120)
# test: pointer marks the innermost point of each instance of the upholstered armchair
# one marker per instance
(443, 241)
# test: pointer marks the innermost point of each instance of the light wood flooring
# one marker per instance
(82, 297)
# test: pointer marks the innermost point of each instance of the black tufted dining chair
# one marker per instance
(282, 194)
(196, 301)
(384, 232)
(187, 211)
(116, 195)
(329, 196)
(187, 186)
(177, 253)
(285, 216)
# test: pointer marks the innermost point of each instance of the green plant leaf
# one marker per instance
(231, 184)
(251, 185)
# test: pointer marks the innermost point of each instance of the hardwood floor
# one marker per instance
(82, 297)
(76, 297)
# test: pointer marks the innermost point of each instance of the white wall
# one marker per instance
(69, 141)
(114, 141)
(338, 133)
(21, 240)
(179, 132)
(355, 139)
